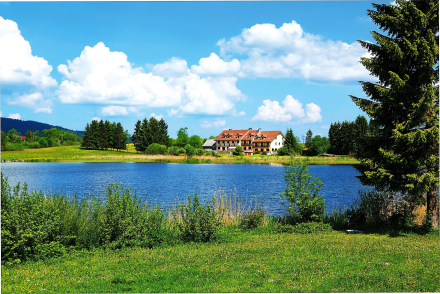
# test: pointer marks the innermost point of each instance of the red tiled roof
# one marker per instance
(250, 135)
(23, 138)
(231, 135)
(268, 136)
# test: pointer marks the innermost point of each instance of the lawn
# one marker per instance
(77, 154)
(239, 261)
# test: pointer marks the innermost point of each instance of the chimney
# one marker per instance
(250, 129)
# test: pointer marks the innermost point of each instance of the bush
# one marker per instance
(155, 148)
(172, 150)
(180, 151)
(302, 193)
(199, 222)
(306, 228)
(200, 151)
(283, 151)
(264, 153)
(14, 147)
(237, 151)
(34, 145)
(42, 142)
(381, 209)
(252, 220)
(190, 150)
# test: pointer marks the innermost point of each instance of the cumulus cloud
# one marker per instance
(116, 110)
(14, 116)
(288, 51)
(291, 110)
(33, 101)
(213, 124)
(158, 117)
(101, 76)
(96, 118)
(214, 66)
(17, 64)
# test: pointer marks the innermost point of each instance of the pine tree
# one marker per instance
(309, 136)
(153, 133)
(143, 137)
(94, 135)
(86, 137)
(103, 138)
(402, 154)
(164, 139)
(136, 136)
(290, 141)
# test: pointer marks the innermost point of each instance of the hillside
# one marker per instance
(23, 125)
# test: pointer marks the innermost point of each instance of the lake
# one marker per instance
(168, 183)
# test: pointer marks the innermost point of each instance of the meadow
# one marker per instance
(254, 261)
(78, 154)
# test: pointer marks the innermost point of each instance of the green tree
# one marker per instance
(195, 141)
(182, 137)
(318, 145)
(309, 136)
(86, 137)
(163, 133)
(153, 132)
(238, 151)
(103, 137)
(12, 134)
(136, 136)
(402, 154)
(302, 192)
(290, 141)
(190, 150)
(4, 141)
(212, 137)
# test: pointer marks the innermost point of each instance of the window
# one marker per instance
(267, 149)
(223, 148)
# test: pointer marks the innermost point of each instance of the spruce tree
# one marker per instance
(309, 136)
(164, 139)
(86, 137)
(290, 141)
(402, 154)
(136, 135)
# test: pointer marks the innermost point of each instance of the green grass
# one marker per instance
(77, 154)
(252, 261)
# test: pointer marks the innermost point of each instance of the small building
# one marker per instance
(209, 145)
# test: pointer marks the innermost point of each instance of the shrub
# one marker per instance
(155, 148)
(237, 151)
(264, 153)
(34, 145)
(302, 192)
(50, 142)
(252, 220)
(190, 150)
(180, 151)
(199, 222)
(283, 151)
(42, 142)
(14, 147)
(200, 151)
(172, 150)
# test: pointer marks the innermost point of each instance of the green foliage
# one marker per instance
(12, 134)
(309, 136)
(180, 151)
(42, 142)
(318, 145)
(200, 151)
(195, 141)
(302, 192)
(402, 152)
(190, 150)
(252, 219)
(291, 142)
(156, 149)
(264, 153)
(199, 222)
(237, 151)
(182, 137)
(283, 151)
(4, 141)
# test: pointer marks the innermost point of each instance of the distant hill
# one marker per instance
(24, 125)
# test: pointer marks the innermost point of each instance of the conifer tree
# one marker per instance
(290, 141)
(136, 135)
(309, 136)
(402, 153)
(86, 137)
(164, 139)
(103, 139)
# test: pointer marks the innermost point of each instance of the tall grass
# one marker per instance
(36, 225)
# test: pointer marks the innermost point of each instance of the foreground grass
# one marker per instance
(243, 262)
(77, 154)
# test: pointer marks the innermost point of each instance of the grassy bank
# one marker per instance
(239, 261)
(77, 154)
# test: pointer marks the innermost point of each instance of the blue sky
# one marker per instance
(207, 66)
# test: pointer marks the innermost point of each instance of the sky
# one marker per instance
(207, 66)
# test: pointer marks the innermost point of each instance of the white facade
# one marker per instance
(276, 144)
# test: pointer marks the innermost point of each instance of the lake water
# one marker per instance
(167, 183)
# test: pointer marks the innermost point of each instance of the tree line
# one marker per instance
(105, 135)
(12, 141)
(344, 138)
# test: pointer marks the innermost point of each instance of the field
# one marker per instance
(77, 154)
(254, 261)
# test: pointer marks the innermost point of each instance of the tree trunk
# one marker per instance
(432, 206)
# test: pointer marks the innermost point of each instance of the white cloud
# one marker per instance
(172, 112)
(14, 116)
(324, 127)
(291, 111)
(241, 113)
(175, 67)
(43, 109)
(214, 66)
(215, 124)
(114, 110)
(101, 76)
(290, 52)
(96, 118)
(158, 117)
(33, 101)
(17, 64)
